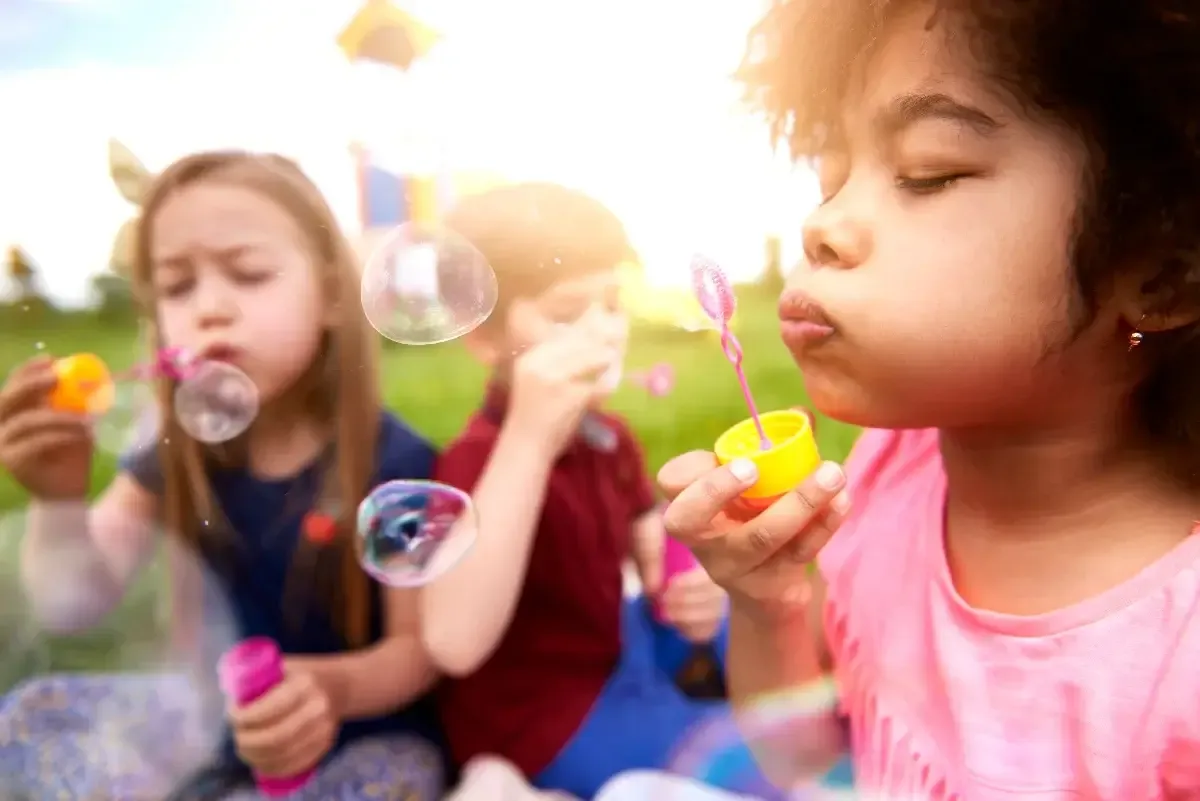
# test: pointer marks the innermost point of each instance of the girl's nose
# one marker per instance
(215, 303)
(835, 237)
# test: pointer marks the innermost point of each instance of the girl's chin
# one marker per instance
(840, 399)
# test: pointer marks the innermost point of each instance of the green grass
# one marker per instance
(434, 389)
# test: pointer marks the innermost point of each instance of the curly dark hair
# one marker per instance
(1124, 75)
(534, 234)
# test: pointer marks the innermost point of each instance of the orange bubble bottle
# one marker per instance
(85, 386)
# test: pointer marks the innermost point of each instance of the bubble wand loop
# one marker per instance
(176, 364)
(716, 298)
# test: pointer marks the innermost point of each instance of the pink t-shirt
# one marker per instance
(1097, 701)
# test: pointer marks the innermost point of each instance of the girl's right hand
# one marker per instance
(759, 559)
(48, 452)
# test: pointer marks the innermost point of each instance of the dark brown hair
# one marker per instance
(534, 234)
(1123, 75)
(340, 386)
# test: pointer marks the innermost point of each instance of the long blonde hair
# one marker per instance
(339, 388)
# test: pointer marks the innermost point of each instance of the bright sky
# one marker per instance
(626, 99)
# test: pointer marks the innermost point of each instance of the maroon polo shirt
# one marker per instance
(564, 640)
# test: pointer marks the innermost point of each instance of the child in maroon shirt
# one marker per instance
(551, 670)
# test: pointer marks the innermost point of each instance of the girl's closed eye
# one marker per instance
(928, 185)
(253, 276)
(249, 268)
(176, 288)
(568, 313)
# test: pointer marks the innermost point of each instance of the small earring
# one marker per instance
(1136, 337)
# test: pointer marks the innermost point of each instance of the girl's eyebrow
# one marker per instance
(184, 260)
(905, 111)
(174, 262)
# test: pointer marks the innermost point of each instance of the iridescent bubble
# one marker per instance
(424, 285)
(216, 402)
(716, 752)
(412, 532)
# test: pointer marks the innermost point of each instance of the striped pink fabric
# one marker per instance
(1097, 701)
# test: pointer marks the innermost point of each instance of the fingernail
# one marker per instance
(829, 477)
(840, 503)
(743, 470)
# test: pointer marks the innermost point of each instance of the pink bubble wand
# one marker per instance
(713, 290)
(176, 364)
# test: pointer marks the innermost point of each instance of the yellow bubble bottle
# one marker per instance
(84, 386)
(792, 457)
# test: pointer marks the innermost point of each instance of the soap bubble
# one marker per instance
(716, 752)
(25, 652)
(216, 402)
(424, 285)
(151, 717)
(412, 532)
(132, 423)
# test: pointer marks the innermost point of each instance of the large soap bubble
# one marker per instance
(150, 714)
(716, 752)
(426, 285)
(216, 402)
(412, 532)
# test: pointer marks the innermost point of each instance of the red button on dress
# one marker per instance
(319, 528)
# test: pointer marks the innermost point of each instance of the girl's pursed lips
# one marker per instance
(220, 352)
(802, 321)
(797, 307)
(797, 333)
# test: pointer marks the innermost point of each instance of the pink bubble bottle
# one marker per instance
(677, 559)
(246, 672)
(700, 676)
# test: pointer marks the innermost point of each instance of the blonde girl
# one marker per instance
(238, 259)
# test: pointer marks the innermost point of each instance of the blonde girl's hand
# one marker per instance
(48, 452)
(290, 729)
(761, 559)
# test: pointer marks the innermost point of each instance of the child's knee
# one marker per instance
(651, 785)
(633, 784)
(494, 779)
(491, 779)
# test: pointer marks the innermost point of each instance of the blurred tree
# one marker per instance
(773, 276)
(22, 273)
(28, 306)
(113, 298)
